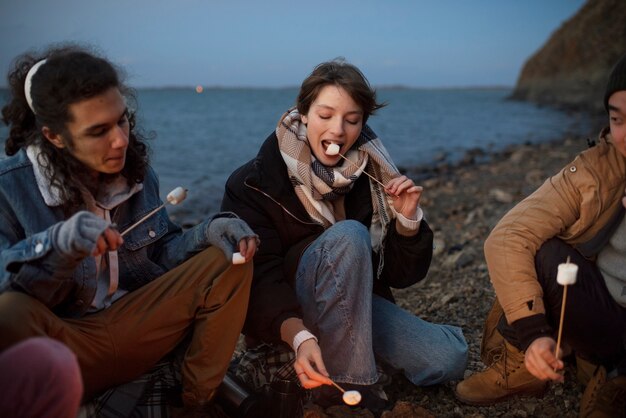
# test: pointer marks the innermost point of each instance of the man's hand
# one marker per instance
(84, 234)
(541, 361)
(230, 233)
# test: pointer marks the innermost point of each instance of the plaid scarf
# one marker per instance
(317, 185)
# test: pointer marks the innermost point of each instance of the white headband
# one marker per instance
(28, 83)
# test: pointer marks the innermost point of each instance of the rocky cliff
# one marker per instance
(572, 68)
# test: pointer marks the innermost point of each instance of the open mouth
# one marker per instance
(331, 148)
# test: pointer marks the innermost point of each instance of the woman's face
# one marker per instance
(333, 118)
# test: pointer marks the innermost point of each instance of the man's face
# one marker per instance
(617, 120)
(97, 134)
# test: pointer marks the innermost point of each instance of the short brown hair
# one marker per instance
(342, 74)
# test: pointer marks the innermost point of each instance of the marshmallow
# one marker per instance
(351, 397)
(177, 195)
(238, 258)
(566, 273)
(333, 149)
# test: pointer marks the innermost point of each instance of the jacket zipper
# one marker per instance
(281, 206)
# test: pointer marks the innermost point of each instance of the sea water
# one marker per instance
(200, 138)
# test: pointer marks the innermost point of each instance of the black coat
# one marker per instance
(261, 194)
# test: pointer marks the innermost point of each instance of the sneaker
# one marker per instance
(604, 398)
(507, 376)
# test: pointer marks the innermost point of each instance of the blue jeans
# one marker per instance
(334, 288)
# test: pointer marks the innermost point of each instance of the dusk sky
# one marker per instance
(270, 43)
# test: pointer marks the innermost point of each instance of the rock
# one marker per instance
(571, 69)
(314, 411)
(534, 177)
(501, 196)
(344, 411)
(459, 259)
(439, 246)
(407, 410)
(429, 183)
(530, 407)
(440, 157)
(519, 156)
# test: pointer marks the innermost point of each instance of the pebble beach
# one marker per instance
(462, 203)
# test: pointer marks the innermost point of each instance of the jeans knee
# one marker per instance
(352, 234)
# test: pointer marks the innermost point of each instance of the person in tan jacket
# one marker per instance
(577, 214)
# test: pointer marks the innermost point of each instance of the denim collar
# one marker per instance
(113, 194)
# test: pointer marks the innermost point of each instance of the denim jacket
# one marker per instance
(30, 263)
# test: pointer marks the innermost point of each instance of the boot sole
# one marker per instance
(486, 402)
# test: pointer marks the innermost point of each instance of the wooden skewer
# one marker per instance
(130, 228)
(558, 339)
(174, 197)
(368, 174)
(364, 172)
(338, 387)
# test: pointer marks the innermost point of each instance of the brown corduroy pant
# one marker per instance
(206, 295)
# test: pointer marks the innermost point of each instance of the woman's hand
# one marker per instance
(408, 195)
(309, 365)
(541, 361)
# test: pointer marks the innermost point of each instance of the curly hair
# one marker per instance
(70, 74)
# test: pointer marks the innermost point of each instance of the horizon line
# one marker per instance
(253, 87)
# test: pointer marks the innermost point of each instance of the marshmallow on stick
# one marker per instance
(238, 258)
(566, 275)
(177, 195)
(351, 397)
(333, 149)
(174, 197)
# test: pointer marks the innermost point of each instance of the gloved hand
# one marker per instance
(76, 237)
(226, 233)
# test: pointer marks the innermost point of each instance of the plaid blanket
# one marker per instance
(149, 396)
(154, 393)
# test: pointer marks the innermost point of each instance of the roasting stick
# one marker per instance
(350, 397)
(333, 149)
(566, 275)
(174, 197)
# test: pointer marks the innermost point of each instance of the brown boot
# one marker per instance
(585, 370)
(492, 341)
(505, 377)
(604, 398)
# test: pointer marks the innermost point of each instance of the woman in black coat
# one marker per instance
(333, 242)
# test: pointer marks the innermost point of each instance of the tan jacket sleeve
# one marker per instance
(511, 247)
